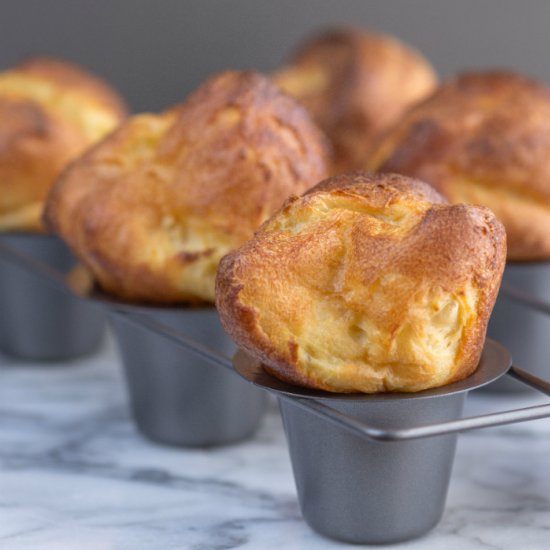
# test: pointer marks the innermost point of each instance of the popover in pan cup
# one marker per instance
(50, 112)
(152, 209)
(356, 83)
(372, 284)
(367, 283)
(484, 138)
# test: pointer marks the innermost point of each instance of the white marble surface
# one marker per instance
(75, 474)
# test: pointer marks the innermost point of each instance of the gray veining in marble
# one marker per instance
(75, 474)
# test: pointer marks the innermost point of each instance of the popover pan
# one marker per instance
(524, 329)
(40, 321)
(177, 397)
(367, 491)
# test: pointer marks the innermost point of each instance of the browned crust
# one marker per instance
(371, 79)
(452, 244)
(225, 159)
(379, 189)
(484, 138)
(37, 140)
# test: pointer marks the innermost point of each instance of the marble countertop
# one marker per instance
(75, 474)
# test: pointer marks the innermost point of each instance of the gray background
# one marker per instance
(157, 51)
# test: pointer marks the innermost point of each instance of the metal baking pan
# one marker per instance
(362, 464)
(518, 321)
(41, 321)
(368, 469)
(178, 398)
(365, 491)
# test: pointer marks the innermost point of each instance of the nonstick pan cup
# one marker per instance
(40, 321)
(367, 491)
(525, 330)
(177, 397)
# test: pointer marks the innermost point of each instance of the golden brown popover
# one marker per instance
(153, 208)
(482, 138)
(356, 83)
(50, 112)
(367, 283)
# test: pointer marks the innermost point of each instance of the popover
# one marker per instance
(153, 208)
(367, 283)
(482, 138)
(356, 83)
(50, 112)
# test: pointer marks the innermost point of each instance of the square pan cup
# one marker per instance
(39, 321)
(525, 331)
(366, 491)
(177, 397)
